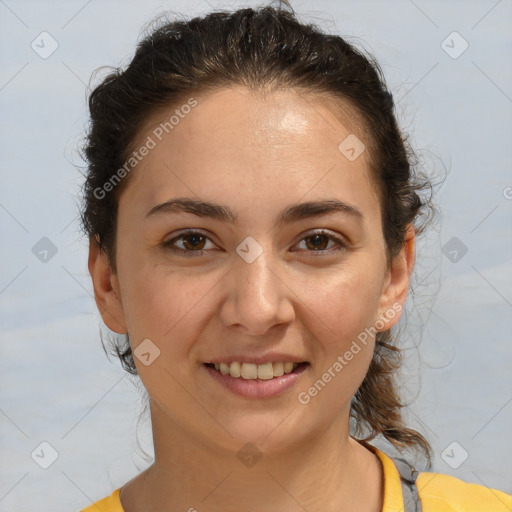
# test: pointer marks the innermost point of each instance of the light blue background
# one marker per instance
(56, 383)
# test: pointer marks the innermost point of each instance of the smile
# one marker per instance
(264, 371)
(252, 380)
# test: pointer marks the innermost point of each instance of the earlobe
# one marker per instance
(396, 286)
(105, 294)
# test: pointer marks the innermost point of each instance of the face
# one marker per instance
(252, 277)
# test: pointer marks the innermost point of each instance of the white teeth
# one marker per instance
(288, 367)
(249, 370)
(278, 369)
(234, 369)
(264, 371)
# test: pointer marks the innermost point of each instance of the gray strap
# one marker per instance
(408, 477)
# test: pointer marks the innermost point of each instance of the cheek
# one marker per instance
(168, 308)
(158, 298)
(332, 384)
(346, 302)
(341, 317)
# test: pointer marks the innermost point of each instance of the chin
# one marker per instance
(271, 432)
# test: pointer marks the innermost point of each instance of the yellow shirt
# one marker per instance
(438, 493)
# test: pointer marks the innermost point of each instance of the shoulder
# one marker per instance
(445, 493)
(111, 503)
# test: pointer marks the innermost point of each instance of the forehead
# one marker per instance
(259, 117)
(284, 143)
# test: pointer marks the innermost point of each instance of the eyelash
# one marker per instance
(199, 252)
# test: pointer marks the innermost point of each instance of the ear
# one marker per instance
(396, 283)
(106, 288)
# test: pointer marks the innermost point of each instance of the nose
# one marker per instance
(257, 296)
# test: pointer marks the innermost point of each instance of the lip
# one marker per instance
(256, 388)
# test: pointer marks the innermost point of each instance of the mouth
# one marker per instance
(251, 371)
(252, 380)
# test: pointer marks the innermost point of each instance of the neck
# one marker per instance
(330, 472)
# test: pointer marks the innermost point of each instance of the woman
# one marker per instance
(252, 213)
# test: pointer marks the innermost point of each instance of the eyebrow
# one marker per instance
(224, 214)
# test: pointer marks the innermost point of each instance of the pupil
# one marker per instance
(195, 240)
(317, 239)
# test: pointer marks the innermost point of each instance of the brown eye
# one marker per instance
(190, 243)
(319, 243)
(193, 242)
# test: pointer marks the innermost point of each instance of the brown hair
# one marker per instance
(263, 49)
